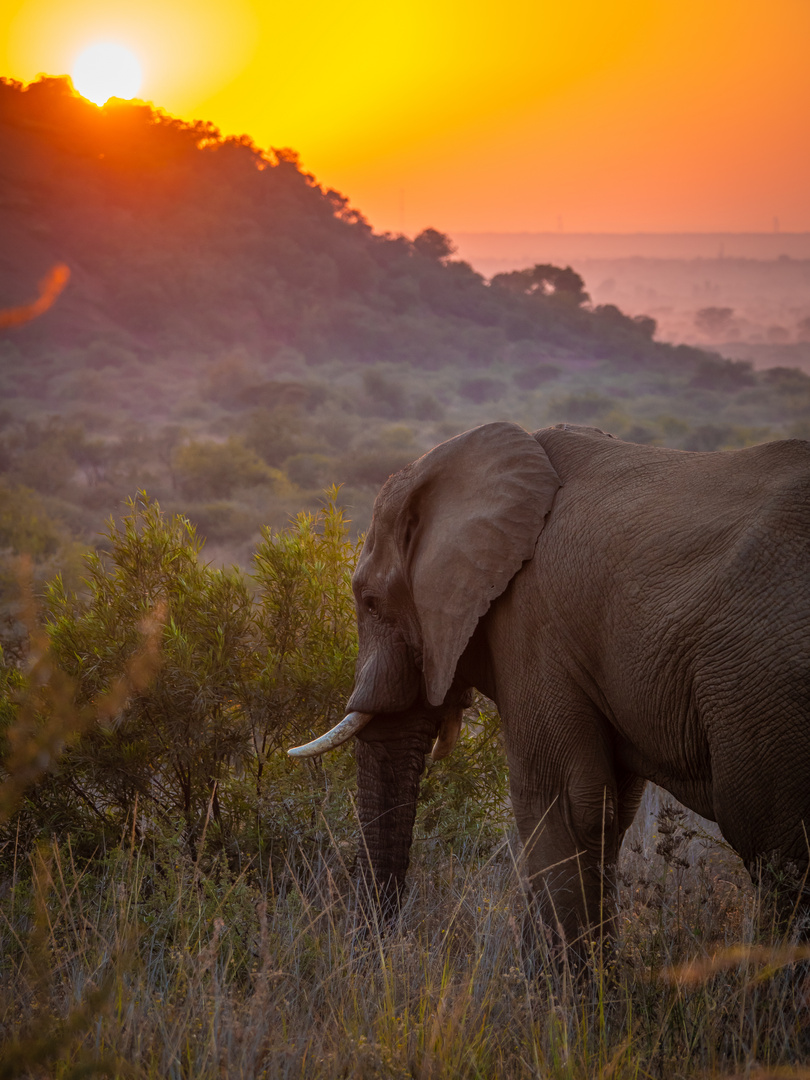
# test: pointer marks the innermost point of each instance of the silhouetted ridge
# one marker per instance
(180, 238)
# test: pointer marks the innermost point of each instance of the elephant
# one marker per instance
(636, 613)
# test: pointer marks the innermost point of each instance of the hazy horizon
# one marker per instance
(674, 244)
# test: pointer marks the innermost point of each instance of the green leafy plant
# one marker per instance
(173, 738)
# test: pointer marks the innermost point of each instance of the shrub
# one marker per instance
(373, 467)
(229, 377)
(32, 544)
(273, 434)
(482, 389)
(463, 799)
(716, 373)
(427, 407)
(179, 688)
(305, 655)
(174, 737)
(222, 522)
(212, 470)
(586, 406)
(531, 378)
(385, 396)
(46, 468)
(714, 321)
(707, 437)
(25, 527)
(309, 470)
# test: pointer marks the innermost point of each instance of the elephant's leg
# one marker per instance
(762, 805)
(571, 812)
(630, 790)
(570, 856)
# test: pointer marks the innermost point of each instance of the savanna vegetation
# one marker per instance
(176, 895)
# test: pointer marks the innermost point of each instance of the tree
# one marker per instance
(434, 245)
(544, 279)
(645, 325)
(560, 281)
(714, 321)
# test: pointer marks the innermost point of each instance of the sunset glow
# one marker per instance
(106, 70)
(608, 115)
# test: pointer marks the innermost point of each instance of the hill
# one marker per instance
(178, 239)
(234, 336)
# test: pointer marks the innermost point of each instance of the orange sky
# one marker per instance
(469, 115)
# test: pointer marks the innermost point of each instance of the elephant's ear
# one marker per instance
(477, 505)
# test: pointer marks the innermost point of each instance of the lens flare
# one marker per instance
(106, 70)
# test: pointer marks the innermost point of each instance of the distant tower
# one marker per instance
(776, 224)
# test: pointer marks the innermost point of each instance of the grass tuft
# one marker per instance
(138, 965)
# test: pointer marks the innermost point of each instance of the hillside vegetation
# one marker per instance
(233, 337)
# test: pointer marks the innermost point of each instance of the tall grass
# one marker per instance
(146, 963)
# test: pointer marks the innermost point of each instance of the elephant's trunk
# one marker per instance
(388, 775)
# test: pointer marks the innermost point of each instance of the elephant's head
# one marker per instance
(447, 535)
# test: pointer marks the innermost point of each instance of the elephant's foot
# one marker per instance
(565, 962)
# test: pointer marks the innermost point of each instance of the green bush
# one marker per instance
(181, 686)
(177, 633)
(585, 407)
(163, 702)
(715, 373)
(464, 798)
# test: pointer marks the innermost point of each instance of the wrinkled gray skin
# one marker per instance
(635, 613)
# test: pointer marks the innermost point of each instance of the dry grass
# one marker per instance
(144, 965)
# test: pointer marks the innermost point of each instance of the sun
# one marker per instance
(106, 70)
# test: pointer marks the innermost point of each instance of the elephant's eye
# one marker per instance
(370, 604)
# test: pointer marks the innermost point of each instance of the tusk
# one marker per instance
(446, 739)
(340, 733)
